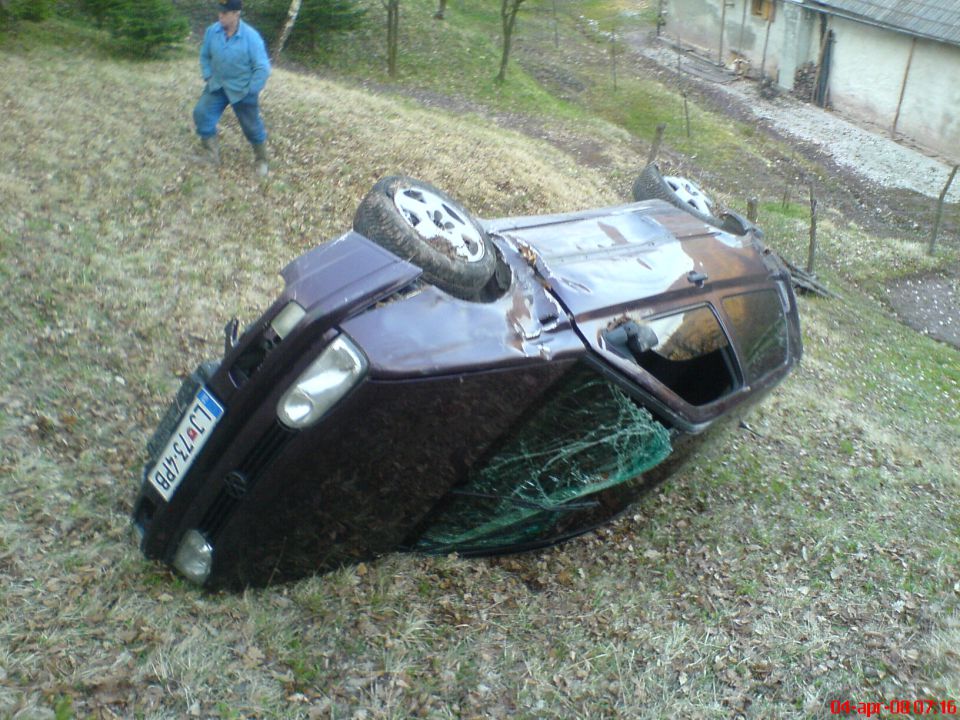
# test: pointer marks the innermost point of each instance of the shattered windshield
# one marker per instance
(588, 437)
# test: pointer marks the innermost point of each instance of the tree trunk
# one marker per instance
(556, 26)
(508, 15)
(441, 9)
(287, 28)
(393, 32)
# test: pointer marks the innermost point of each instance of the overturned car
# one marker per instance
(436, 382)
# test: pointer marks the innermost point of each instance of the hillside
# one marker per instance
(809, 556)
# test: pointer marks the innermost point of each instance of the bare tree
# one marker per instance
(393, 33)
(508, 16)
(287, 28)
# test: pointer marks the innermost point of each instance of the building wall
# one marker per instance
(931, 103)
(793, 38)
(693, 22)
(867, 71)
(867, 68)
(799, 33)
(868, 74)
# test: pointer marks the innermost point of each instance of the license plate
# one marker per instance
(184, 445)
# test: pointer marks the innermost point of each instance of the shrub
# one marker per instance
(29, 10)
(101, 11)
(145, 28)
(141, 28)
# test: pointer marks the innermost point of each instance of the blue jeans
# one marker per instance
(211, 105)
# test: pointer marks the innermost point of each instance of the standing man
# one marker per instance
(235, 66)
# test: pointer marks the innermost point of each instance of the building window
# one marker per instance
(763, 9)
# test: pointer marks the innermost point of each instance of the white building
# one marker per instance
(895, 63)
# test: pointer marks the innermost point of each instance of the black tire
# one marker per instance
(650, 185)
(424, 225)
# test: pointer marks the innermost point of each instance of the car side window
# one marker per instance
(692, 355)
(761, 330)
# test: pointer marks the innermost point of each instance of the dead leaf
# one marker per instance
(252, 656)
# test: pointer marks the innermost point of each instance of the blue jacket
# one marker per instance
(239, 65)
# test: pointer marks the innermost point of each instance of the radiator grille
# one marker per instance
(237, 483)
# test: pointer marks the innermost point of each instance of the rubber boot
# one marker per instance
(211, 150)
(260, 157)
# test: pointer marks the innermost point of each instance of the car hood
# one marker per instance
(342, 275)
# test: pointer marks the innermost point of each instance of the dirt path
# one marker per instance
(930, 305)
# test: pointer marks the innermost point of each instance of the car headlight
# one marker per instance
(323, 384)
(194, 557)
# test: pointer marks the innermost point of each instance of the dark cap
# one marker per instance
(230, 5)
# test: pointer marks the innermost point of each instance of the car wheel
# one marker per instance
(681, 192)
(687, 195)
(426, 226)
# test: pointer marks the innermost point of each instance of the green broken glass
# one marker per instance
(588, 437)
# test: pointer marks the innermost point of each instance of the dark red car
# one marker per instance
(435, 382)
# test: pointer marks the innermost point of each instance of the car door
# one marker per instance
(644, 284)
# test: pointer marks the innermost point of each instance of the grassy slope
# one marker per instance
(812, 558)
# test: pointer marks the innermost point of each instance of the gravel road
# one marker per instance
(863, 149)
(866, 152)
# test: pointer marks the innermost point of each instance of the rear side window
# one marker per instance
(692, 356)
(761, 329)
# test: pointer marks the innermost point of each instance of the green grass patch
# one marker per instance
(458, 56)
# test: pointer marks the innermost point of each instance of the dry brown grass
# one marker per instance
(811, 558)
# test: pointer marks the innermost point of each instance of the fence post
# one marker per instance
(752, 209)
(763, 62)
(812, 252)
(613, 53)
(556, 26)
(936, 223)
(723, 22)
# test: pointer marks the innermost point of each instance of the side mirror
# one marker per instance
(631, 339)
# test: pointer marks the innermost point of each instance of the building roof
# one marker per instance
(934, 19)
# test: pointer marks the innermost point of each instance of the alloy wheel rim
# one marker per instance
(433, 218)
